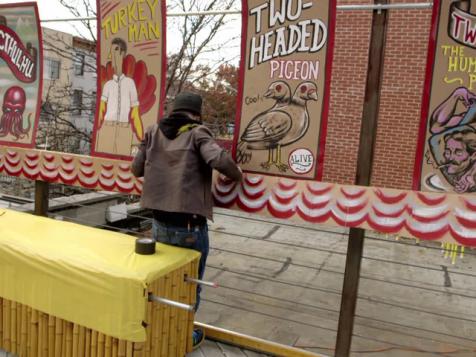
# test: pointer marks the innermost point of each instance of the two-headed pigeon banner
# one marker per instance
(446, 153)
(131, 74)
(284, 86)
(20, 74)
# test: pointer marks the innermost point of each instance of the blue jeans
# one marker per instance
(196, 238)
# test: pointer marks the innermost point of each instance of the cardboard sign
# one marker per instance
(20, 74)
(446, 154)
(284, 89)
(131, 74)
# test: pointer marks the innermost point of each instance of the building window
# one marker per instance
(93, 102)
(52, 68)
(79, 64)
(77, 101)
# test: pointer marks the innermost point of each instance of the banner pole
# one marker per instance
(368, 133)
(41, 198)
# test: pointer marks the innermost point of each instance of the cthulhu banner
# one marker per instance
(131, 65)
(284, 89)
(446, 155)
(20, 74)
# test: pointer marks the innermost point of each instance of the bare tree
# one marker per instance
(192, 64)
(199, 38)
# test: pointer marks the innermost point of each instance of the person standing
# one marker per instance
(176, 159)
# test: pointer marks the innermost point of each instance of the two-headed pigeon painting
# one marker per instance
(284, 123)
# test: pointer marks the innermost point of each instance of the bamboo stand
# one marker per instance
(26, 332)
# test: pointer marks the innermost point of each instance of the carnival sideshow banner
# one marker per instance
(20, 74)
(284, 89)
(446, 158)
(131, 67)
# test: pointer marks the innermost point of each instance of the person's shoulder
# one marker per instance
(203, 130)
(151, 129)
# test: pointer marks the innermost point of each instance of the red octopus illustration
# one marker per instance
(13, 108)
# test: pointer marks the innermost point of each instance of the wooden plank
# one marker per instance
(231, 351)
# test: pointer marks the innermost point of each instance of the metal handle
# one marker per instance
(201, 282)
(173, 303)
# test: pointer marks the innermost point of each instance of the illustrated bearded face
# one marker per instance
(13, 108)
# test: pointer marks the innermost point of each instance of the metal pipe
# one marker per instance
(173, 303)
(201, 282)
(421, 5)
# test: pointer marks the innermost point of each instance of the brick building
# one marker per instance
(400, 102)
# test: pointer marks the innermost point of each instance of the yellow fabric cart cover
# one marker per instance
(85, 275)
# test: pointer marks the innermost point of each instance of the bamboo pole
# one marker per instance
(34, 333)
(13, 327)
(40, 334)
(129, 349)
(185, 298)
(24, 331)
(69, 339)
(122, 349)
(28, 330)
(94, 344)
(174, 314)
(165, 319)
(87, 343)
(108, 347)
(115, 342)
(6, 325)
(75, 340)
(193, 300)
(101, 342)
(51, 336)
(1, 323)
(81, 337)
(58, 337)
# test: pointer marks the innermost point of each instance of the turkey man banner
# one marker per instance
(20, 74)
(131, 66)
(284, 88)
(446, 154)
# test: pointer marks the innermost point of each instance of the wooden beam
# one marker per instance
(368, 134)
(41, 198)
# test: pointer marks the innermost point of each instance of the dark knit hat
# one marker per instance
(188, 102)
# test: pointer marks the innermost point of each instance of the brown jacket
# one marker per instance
(178, 173)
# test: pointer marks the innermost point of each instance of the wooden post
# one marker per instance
(41, 198)
(368, 133)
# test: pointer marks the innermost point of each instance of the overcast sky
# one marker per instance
(52, 9)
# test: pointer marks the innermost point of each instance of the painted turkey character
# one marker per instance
(282, 125)
(128, 79)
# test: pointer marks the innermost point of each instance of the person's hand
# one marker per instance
(464, 95)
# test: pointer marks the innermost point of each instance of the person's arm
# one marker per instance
(444, 115)
(215, 156)
(138, 164)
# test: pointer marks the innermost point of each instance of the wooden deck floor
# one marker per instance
(207, 349)
(217, 349)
